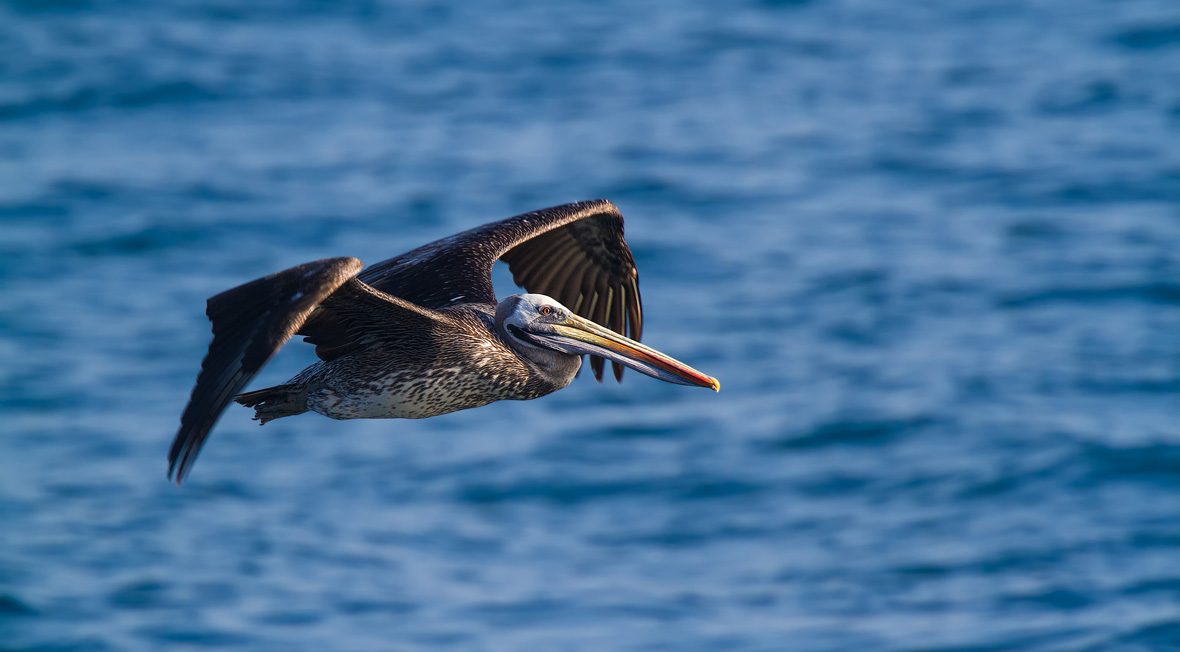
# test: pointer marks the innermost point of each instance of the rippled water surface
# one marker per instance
(932, 250)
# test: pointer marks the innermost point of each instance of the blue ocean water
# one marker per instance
(932, 251)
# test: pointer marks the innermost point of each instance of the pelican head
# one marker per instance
(547, 333)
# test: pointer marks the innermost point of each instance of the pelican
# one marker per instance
(422, 334)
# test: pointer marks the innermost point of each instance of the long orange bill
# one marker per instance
(580, 335)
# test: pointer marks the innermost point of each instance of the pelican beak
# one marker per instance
(578, 335)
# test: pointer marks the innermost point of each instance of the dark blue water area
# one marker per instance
(932, 251)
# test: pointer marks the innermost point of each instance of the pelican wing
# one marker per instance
(358, 315)
(574, 253)
(250, 322)
(322, 300)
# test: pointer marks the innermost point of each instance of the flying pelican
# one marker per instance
(422, 334)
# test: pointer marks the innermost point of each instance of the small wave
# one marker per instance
(190, 635)
(563, 492)
(360, 606)
(48, 6)
(1159, 635)
(95, 97)
(683, 537)
(639, 431)
(147, 240)
(35, 210)
(1165, 586)
(1012, 481)
(1131, 385)
(567, 492)
(857, 432)
(1155, 293)
(1091, 97)
(871, 279)
(1148, 37)
(1159, 462)
(139, 595)
(10, 605)
(1036, 229)
(1056, 598)
(1161, 187)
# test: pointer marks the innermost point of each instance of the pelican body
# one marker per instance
(422, 334)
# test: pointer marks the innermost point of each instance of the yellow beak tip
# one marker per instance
(715, 384)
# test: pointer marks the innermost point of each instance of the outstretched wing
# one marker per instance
(358, 315)
(250, 322)
(574, 253)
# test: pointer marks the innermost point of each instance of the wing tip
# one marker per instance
(596, 367)
(597, 205)
(177, 469)
(347, 264)
(243, 340)
(183, 453)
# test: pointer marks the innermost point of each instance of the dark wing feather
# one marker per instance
(250, 322)
(587, 266)
(574, 253)
(361, 315)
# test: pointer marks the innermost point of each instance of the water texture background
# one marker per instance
(932, 250)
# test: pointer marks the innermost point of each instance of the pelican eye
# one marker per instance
(546, 310)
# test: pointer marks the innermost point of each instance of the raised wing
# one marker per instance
(250, 322)
(574, 253)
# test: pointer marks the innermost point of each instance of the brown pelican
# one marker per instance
(422, 334)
